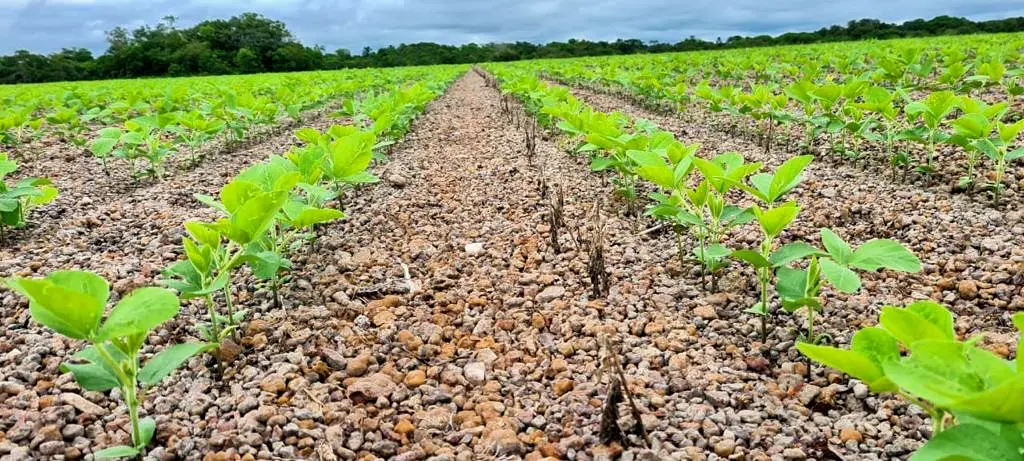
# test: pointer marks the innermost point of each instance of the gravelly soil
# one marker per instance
(495, 354)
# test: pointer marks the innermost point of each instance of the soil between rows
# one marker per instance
(495, 354)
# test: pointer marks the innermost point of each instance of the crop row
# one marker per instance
(152, 119)
(898, 105)
(269, 210)
(970, 393)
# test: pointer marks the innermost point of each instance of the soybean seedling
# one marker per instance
(800, 288)
(72, 303)
(971, 394)
(772, 221)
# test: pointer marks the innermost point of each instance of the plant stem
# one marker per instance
(129, 389)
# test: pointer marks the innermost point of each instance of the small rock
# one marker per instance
(475, 372)
(358, 366)
(550, 293)
(396, 180)
(273, 384)
(706, 312)
(384, 318)
(794, 453)
(83, 405)
(562, 386)
(725, 447)
(52, 447)
(967, 289)
(372, 387)
(503, 442)
(404, 427)
(415, 378)
(475, 249)
(848, 433)
(860, 391)
(807, 394)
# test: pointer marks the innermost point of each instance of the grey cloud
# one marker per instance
(48, 25)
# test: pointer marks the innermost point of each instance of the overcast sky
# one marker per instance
(44, 26)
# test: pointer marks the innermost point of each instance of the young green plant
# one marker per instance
(72, 304)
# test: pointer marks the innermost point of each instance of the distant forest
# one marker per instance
(251, 43)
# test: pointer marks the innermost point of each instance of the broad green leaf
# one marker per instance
(791, 283)
(165, 362)
(774, 220)
(935, 314)
(203, 233)
(237, 192)
(852, 363)
(790, 252)
(787, 176)
(249, 221)
(147, 428)
(837, 248)
(653, 168)
(968, 442)
(69, 302)
(879, 253)
(139, 312)
(102, 146)
(93, 374)
(909, 327)
(841, 277)
(752, 257)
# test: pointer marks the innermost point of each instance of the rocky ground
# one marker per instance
(496, 352)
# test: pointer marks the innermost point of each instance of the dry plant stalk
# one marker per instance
(531, 139)
(611, 364)
(600, 282)
(556, 219)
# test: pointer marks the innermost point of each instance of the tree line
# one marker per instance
(251, 43)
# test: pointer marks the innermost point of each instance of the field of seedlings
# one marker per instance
(811, 252)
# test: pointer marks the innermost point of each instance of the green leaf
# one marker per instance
(871, 348)
(791, 283)
(69, 302)
(653, 168)
(203, 233)
(351, 154)
(102, 146)
(1018, 321)
(249, 221)
(93, 375)
(774, 220)
(837, 248)
(852, 363)
(310, 216)
(119, 451)
(752, 257)
(139, 312)
(165, 362)
(842, 278)
(969, 442)
(935, 314)
(237, 192)
(715, 251)
(147, 428)
(787, 176)
(793, 251)
(909, 327)
(886, 253)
